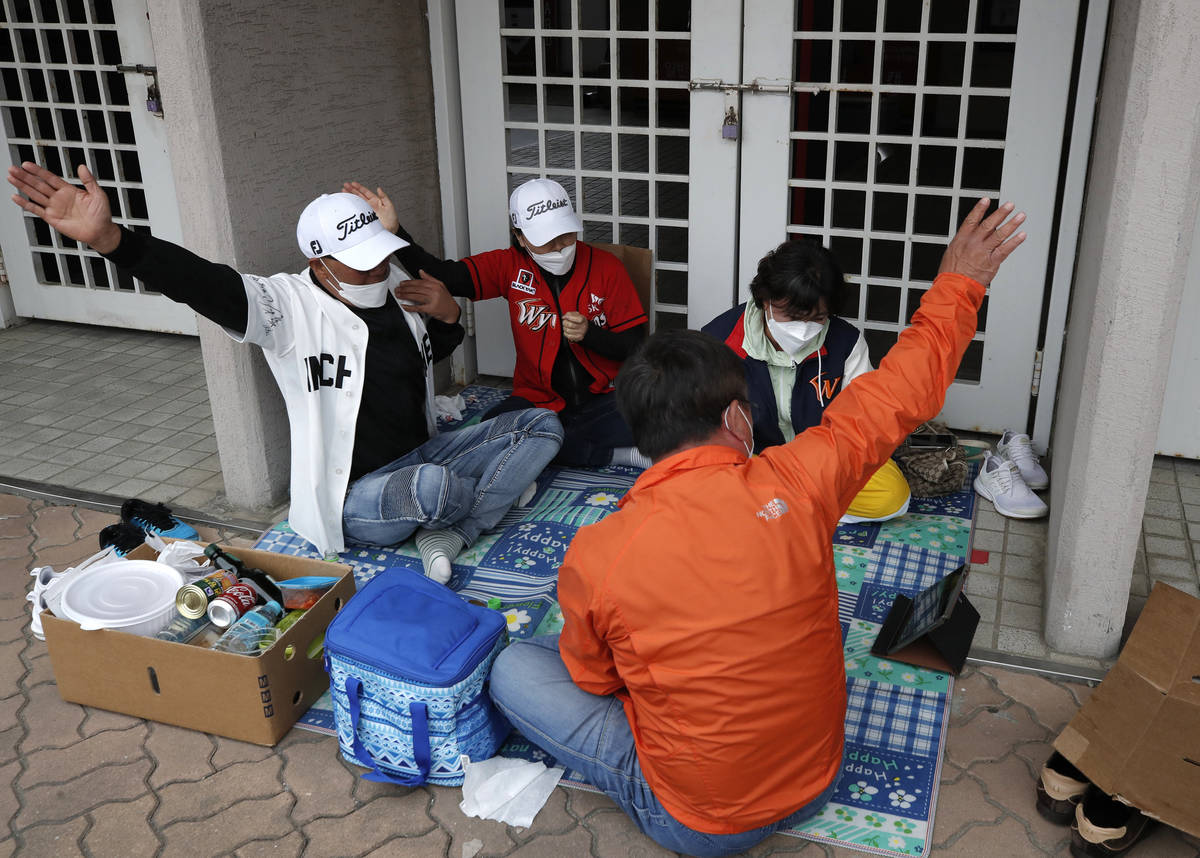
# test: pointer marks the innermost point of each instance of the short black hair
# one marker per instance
(801, 272)
(673, 390)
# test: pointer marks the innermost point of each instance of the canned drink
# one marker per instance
(192, 599)
(225, 609)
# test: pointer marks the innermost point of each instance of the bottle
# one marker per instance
(244, 636)
(183, 629)
(262, 583)
(289, 620)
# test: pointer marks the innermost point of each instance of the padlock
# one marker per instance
(729, 130)
(153, 100)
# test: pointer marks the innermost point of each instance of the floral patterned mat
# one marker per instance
(897, 714)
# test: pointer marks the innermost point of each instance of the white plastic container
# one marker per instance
(134, 596)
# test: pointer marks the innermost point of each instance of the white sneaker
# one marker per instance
(1017, 448)
(527, 495)
(1000, 482)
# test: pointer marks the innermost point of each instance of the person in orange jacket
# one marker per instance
(699, 677)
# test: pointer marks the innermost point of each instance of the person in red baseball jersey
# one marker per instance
(575, 315)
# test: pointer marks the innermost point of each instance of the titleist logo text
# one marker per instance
(351, 225)
(534, 209)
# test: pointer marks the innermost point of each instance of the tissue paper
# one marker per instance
(507, 790)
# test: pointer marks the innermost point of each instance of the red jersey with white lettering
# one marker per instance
(599, 288)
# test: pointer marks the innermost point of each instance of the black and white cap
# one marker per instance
(345, 227)
(541, 209)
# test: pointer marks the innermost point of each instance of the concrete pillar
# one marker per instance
(1134, 248)
(268, 105)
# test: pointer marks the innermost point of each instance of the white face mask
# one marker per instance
(749, 445)
(793, 337)
(557, 262)
(369, 295)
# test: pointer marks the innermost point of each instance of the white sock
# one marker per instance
(527, 495)
(630, 456)
(438, 549)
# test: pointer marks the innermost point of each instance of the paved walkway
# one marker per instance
(82, 781)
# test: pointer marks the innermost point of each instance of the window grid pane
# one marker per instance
(597, 100)
(898, 125)
(63, 105)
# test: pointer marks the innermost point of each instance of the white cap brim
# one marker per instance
(368, 253)
(548, 227)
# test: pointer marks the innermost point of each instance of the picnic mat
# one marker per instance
(897, 714)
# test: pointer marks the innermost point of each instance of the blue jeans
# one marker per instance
(591, 430)
(591, 735)
(463, 481)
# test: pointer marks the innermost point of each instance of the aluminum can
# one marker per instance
(192, 599)
(225, 609)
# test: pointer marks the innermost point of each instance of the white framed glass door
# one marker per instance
(710, 131)
(74, 81)
(903, 114)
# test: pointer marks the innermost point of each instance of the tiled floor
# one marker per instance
(1007, 589)
(81, 781)
(108, 411)
(125, 413)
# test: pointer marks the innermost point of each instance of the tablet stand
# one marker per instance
(944, 647)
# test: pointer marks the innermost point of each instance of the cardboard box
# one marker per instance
(252, 698)
(1138, 736)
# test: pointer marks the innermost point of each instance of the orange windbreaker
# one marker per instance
(708, 603)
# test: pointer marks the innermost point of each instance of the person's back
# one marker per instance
(719, 600)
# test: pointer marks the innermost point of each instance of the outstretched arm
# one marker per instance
(212, 290)
(865, 423)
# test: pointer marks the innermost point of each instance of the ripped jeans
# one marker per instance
(463, 480)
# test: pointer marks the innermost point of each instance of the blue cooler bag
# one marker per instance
(407, 660)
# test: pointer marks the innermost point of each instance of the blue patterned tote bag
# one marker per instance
(407, 662)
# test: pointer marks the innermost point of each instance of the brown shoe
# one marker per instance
(1060, 789)
(1105, 827)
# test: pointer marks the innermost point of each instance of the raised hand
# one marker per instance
(430, 296)
(379, 202)
(981, 244)
(79, 213)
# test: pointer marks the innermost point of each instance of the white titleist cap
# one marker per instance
(345, 227)
(541, 209)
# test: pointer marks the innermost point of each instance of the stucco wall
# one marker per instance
(1134, 247)
(8, 313)
(267, 105)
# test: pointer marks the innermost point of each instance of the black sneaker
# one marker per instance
(123, 536)
(1060, 788)
(1104, 826)
(156, 518)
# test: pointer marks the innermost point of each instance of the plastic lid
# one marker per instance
(120, 594)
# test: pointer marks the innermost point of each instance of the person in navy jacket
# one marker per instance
(799, 354)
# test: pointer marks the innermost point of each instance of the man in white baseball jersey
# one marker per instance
(354, 367)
